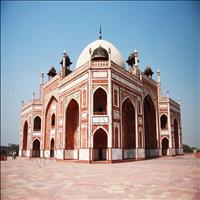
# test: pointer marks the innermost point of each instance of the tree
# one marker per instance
(14, 147)
(187, 149)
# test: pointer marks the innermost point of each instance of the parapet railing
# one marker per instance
(99, 63)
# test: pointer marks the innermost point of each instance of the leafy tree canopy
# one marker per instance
(187, 148)
(14, 147)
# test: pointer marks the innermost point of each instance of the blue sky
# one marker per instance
(34, 35)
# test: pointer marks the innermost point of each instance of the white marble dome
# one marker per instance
(115, 55)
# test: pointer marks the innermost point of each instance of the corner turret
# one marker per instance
(133, 63)
(52, 72)
(65, 62)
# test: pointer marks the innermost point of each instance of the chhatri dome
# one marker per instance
(100, 49)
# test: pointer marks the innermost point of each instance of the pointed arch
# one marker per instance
(52, 147)
(53, 120)
(37, 123)
(176, 136)
(51, 100)
(36, 138)
(128, 124)
(99, 128)
(100, 144)
(100, 101)
(149, 125)
(48, 116)
(36, 148)
(147, 96)
(71, 124)
(165, 145)
(163, 121)
(25, 136)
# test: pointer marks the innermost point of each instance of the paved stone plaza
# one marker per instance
(162, 178)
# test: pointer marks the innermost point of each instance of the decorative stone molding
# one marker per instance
(124, 94)
(75, 96)
(103, 86)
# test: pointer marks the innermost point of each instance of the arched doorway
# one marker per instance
(25, 136)
(100, 143)
(52, 148)
(176, 137)
(163, 121)
(149, 126)
(49, 122)
(165, 146)
(37, 124)
(100, 102)
(72, 124)
(53, 120)
(128, 124)
(36, 148)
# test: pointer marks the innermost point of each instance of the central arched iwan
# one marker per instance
(176, 136)
(128, 124)
(72, 124)
(150, 124)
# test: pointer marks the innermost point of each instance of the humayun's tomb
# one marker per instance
(100, 111)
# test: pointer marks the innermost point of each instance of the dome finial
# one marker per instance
(100, 35)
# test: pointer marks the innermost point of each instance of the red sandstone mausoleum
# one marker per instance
(100, 111)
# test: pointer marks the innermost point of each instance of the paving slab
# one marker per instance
(161, 178)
